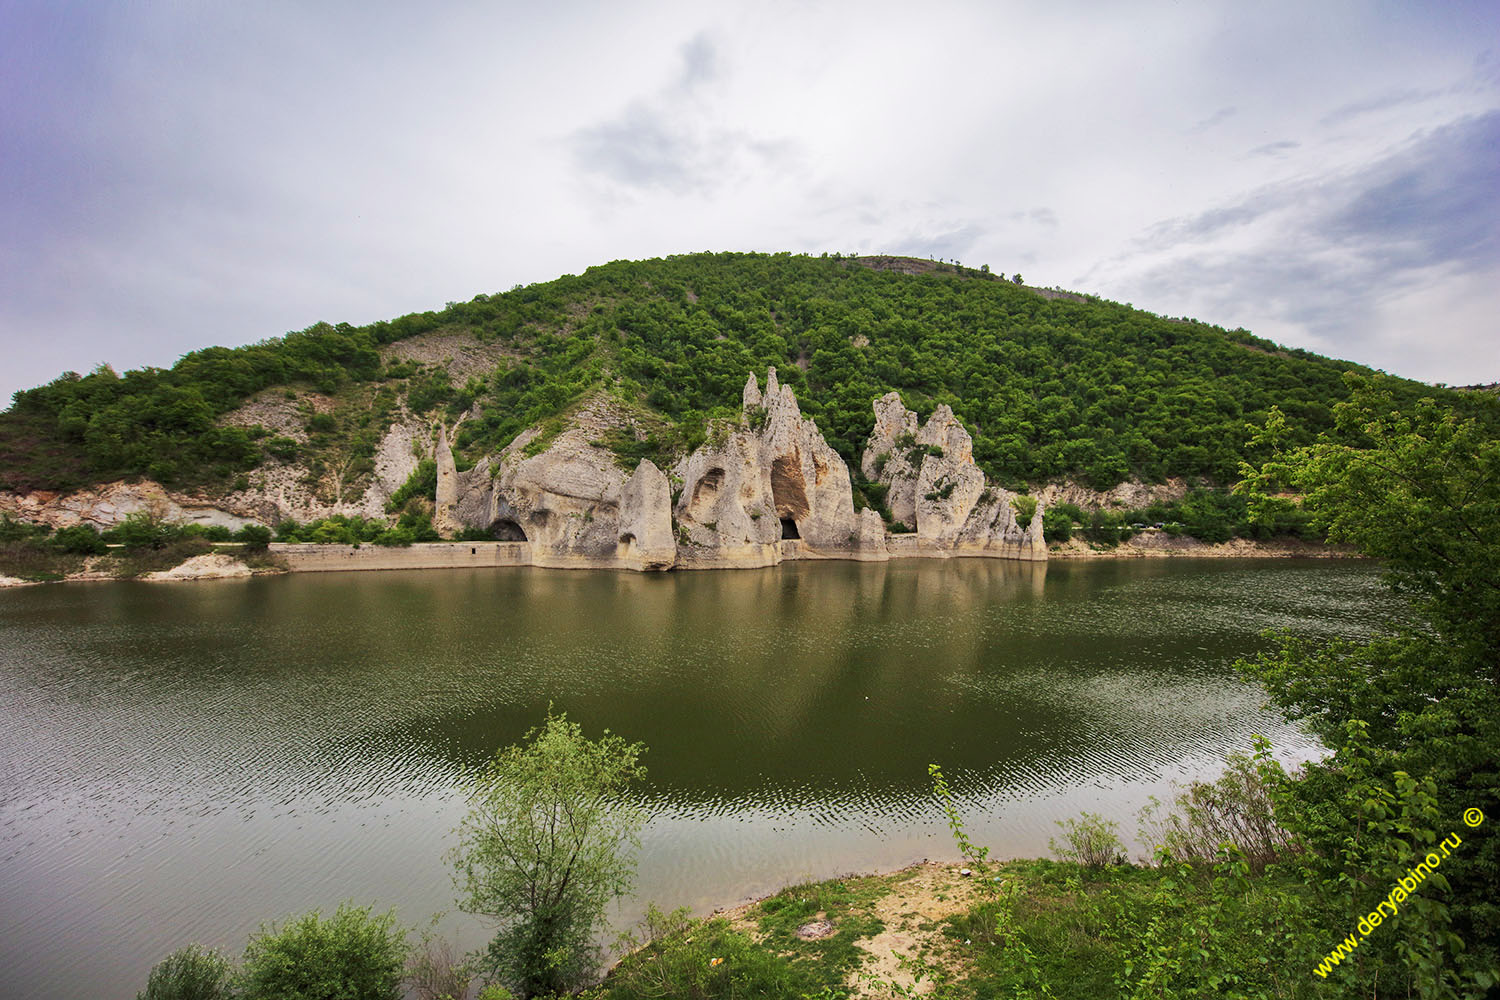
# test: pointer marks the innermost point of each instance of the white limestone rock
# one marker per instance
(646, 541)
(445, 503)
(770, 478)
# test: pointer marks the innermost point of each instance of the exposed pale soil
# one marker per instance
(462, 353)
(912, 913)
(275, 412)
(213, 566)
(1127, 494)
(917, 901)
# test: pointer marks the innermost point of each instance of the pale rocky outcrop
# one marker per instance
(771, 478)
(108, 505)
(646, 539)
(213, 566)
(888, 459)
(935, 487)
(570, 501)
(445, 503)
(766, 488)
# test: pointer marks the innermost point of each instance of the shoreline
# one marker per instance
(308, 557)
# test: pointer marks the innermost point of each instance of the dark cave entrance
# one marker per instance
(506, 530)
(789, 528)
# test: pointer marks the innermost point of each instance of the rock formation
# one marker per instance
(445, 503)
(762, 489)
(935, 488)
(569, 499)
(771, 479)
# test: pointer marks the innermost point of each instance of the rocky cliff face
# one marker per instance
(570, 500)
(771, 479)
(763, 489)
(935, 487)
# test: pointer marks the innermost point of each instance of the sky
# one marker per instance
(175, 175)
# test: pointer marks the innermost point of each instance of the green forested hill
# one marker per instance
(1050, 387)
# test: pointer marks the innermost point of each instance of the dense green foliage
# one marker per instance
(1209, 515)
(1413, 715)
(1050, 387)
(546, 845)
(352, 955)
(139, 544)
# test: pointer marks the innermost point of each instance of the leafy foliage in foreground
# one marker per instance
(352, 955)
(1050, 387)
(189, 973)
(546, 845)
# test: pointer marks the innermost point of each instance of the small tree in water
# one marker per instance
(549, 839)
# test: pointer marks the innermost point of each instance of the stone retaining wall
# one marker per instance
(305, 557)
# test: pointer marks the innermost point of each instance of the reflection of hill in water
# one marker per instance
(831, 684)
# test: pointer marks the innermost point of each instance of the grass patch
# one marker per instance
(27, 560)
(687, 959)
(848, 904)
(544, 438)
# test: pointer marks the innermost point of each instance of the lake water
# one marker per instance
(179, 762)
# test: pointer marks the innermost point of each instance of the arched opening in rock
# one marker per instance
(789, 528)
(506, 530)
(788, 491)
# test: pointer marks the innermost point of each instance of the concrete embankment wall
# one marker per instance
(308, 558)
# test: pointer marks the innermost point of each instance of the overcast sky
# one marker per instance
(175, 175)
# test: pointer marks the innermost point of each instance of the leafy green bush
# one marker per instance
(422, 483)
(1025, 510)
(255, 536)
(1057, 525)
(1236, 808)
(20, 531)
(547, 842)
(283, 448)
(189, 973)
(144, 531)
(1091, 841)
(349, 956)
(80, 539)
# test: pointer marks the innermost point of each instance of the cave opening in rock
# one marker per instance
(506, 530)
(789, 528)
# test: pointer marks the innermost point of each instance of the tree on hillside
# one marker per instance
(1414, 714)
(547, 843)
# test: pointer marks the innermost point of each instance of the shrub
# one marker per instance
(1091, 840)
(143, 531)
(545, 845)
(421, 483)
(283, 448)
(255, 536)
(189, 973)
(81, 539)
(436, 972)
(322, 423)
(19, 531)
(1026, 510)
(350, 956)
(1057, 525)
(1236, 809)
